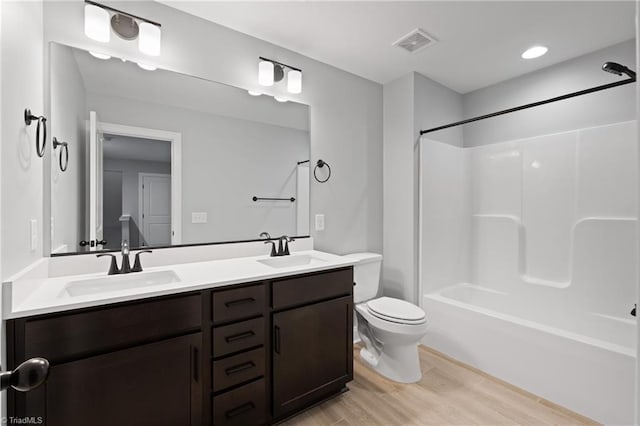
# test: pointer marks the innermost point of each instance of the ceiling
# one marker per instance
(479, 42)
(116, 147)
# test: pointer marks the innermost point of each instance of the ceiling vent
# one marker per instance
(415, 41)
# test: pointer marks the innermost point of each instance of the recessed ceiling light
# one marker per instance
(254, 93)
(534, 52)
(147, 67)
(99, 55)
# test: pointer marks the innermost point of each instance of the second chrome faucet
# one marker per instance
(126, 263)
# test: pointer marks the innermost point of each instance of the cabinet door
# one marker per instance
(154, 384)
(312, 353)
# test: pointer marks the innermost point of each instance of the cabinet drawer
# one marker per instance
(237, 337)
(311, 288)
(79, 334)
(238, 303)
(243, 406)
(238, 369)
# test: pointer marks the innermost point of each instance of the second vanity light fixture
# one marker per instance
(99, 20)
(270, 72)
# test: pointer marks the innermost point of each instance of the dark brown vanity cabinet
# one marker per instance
(247, 354)
(312, 330)
(137, 363)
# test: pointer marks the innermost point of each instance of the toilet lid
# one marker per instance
(396, 310)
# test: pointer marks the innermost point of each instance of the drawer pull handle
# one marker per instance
(238, 368)
(239, 410)
(244, 301)
(239, 336)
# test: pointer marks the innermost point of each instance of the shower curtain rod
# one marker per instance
(531, 105)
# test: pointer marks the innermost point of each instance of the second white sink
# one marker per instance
(119, 282)
(290, 261)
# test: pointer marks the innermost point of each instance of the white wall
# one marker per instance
(67, 123)
(226, 161)
(411, 102)
(606, 107)
(22, 170)
(346, 110)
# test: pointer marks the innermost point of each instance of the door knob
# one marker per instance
(27, 376)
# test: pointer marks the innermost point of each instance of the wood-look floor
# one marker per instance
(450, 393)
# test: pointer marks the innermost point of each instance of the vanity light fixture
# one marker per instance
(270, 72)
(534, 52)
(99, 20)
(98, 55)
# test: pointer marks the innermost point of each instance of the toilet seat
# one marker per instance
(396, 310)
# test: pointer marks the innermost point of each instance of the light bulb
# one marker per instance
(149, 39)
(96, 23)
(265, 73)
(294, 81)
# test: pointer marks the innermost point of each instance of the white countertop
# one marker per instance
(49, 294)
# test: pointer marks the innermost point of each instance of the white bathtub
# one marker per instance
(584, 361)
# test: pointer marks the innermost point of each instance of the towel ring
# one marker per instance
(65, 149)
(42, 121)
(321, 164)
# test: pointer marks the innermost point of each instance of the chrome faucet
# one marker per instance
(126, 263)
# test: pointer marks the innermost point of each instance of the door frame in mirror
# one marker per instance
(175, 139)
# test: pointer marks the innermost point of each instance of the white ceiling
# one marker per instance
(480, 42)
(116, 147)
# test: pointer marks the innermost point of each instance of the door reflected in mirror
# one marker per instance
(159, 158)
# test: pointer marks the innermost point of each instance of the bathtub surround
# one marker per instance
(536, 245)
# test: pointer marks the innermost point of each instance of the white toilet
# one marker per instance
(390, 328)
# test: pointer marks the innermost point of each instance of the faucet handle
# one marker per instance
(113, 268)
(137, 266)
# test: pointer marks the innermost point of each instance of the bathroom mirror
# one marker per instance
(160, 158)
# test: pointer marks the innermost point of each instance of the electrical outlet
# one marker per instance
(199, 217)
(319, 222)
(33, 229)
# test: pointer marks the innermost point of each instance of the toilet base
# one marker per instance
(399, 363)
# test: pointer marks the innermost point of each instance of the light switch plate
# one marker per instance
(33, 229)
(199, 217)
(319, 222)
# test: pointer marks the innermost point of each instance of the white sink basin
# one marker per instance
(291, 260)
(119, 282)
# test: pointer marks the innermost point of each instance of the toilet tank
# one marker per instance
(366, 275)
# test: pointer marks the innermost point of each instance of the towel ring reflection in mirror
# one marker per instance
(42, 122)
(320, 165)
(65, 149)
